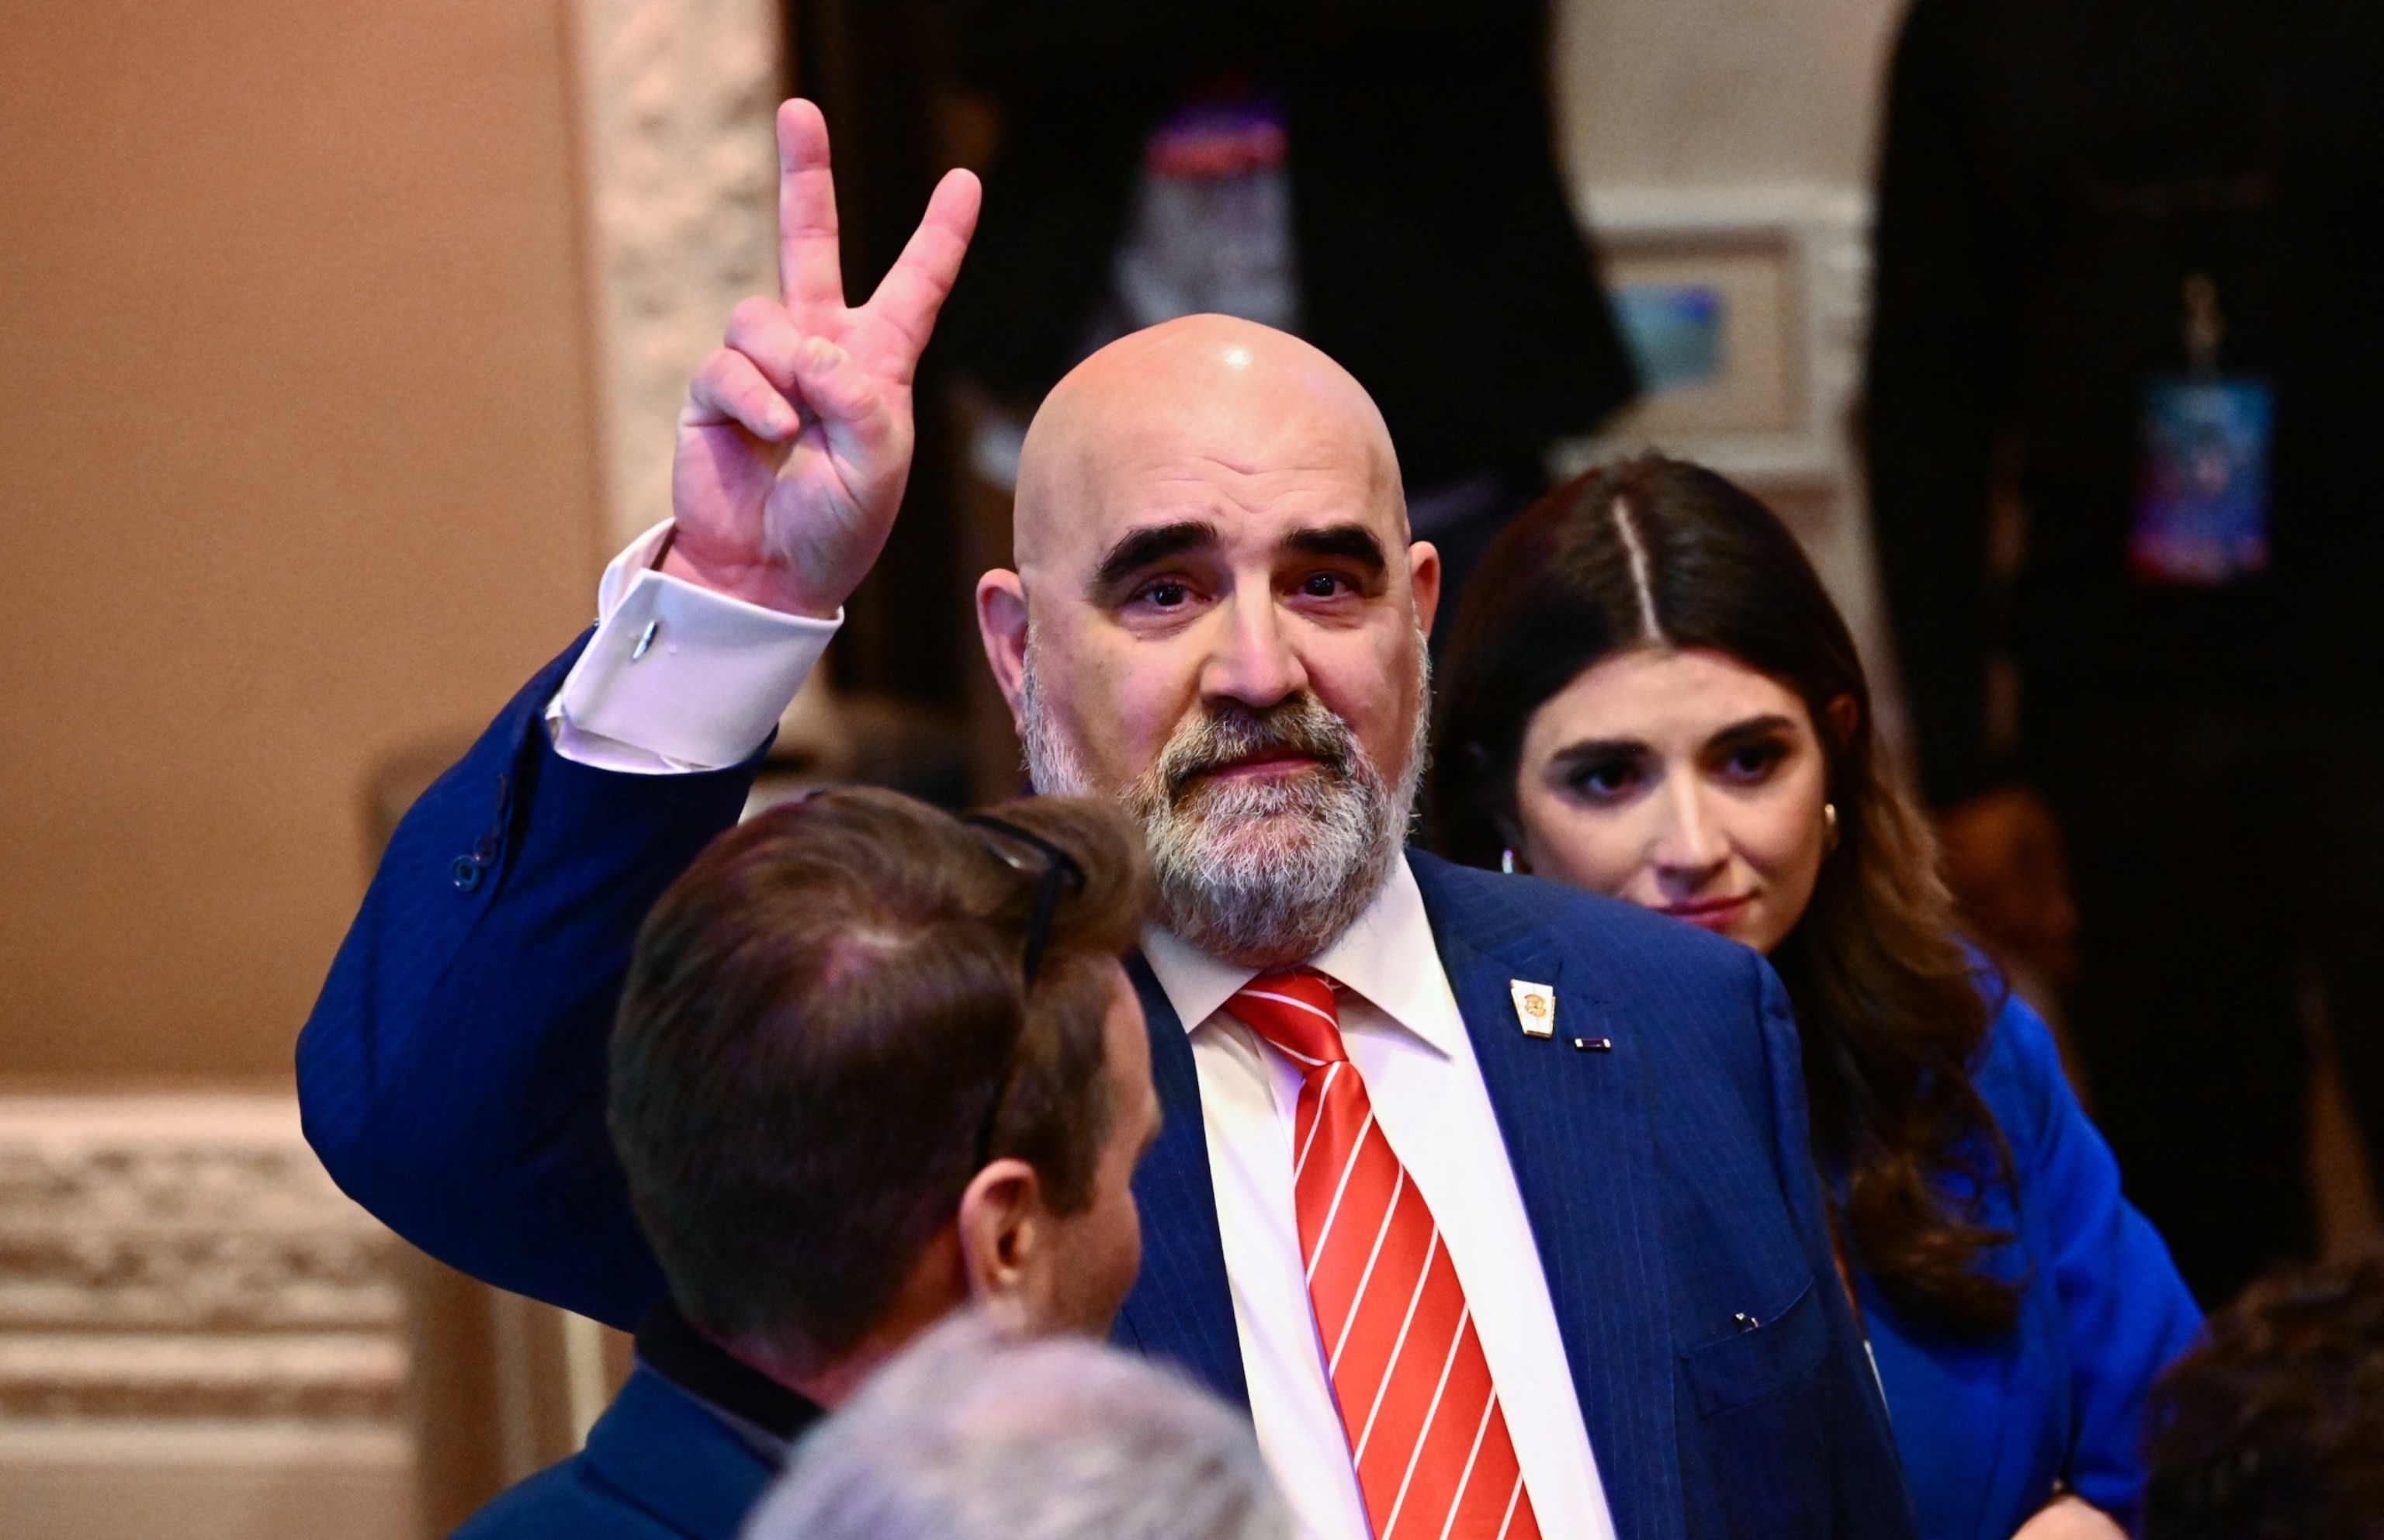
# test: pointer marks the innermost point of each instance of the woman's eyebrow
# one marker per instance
(1600, 748)
(1753, 728)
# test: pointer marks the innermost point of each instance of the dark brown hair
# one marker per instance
(826, 1031)
(1654, 553)
(2272, 1428)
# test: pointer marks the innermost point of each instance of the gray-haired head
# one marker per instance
(970, 1437)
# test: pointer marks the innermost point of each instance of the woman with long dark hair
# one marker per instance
(1649, 694)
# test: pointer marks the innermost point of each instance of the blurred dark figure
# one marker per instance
(2126, 380)
(2273, 1428)
(1378, 178)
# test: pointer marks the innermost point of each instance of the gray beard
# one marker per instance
(1257, 873)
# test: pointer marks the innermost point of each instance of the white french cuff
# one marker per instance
(678, 678)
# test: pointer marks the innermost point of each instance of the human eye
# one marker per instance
(1750, 764)
(1605, 777)
(1164, 594)
(1326, 584)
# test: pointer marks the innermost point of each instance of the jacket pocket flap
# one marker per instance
(1754, 1362)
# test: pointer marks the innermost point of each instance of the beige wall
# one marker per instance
(1705, 93)
(296, 469)
(295, 452)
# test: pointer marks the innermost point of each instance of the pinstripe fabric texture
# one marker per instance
(1182, 1305)
(453, 1079)
(453, 1075)
(1434, 1459)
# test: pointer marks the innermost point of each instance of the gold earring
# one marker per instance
(1829, 827)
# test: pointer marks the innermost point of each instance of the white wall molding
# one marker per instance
(675, 105)
(186, 1255)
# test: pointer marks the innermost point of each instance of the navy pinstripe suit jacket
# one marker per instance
(453, 1080)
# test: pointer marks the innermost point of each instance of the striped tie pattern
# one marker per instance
(1434, 1457)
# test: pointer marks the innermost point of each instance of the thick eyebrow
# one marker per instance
(1142, 547)
(1351, 542)
(1597, 748)
(1736, 735)
(1741, 732)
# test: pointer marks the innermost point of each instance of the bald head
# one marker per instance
(1218, 617)
(1246, 406)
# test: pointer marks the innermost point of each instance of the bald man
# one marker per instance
(1487, 1197)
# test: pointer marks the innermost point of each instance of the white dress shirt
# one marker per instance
(1400, 1025)
(678, 678)
(704, 689)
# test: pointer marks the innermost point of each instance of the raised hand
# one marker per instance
(796, 440)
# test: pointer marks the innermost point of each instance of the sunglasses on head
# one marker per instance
(1059, 868)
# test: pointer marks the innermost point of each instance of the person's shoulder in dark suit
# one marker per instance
(658, 1466)
(1639, 955)
(1707, 1010)
(1721, 1228)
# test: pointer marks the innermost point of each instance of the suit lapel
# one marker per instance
(1579, 1138)
(1182, 1307)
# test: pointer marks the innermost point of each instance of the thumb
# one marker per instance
(860, 424)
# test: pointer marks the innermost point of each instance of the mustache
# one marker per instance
(1224, 735)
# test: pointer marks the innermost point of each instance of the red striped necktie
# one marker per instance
(1434, 1460)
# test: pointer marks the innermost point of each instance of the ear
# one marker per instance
(1004, 1231)
(1845, 719)
(1423, 577)
(1001, 625)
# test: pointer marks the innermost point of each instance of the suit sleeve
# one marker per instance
(1866, 1475)
(2124, 1311)
(451, 1077)
(1930, 398)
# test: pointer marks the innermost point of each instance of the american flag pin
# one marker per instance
(1535, 1008)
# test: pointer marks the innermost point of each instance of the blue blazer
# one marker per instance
(453, 1080)
(658, 1466)
(1987, 1427)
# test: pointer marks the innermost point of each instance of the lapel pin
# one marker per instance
(1535, 1008)
(1594, 1045)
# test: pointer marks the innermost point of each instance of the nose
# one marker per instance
(1689, 849)
(1251, 660)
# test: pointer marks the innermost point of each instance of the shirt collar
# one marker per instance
(1387, 955)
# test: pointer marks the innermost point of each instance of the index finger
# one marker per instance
(811, 268)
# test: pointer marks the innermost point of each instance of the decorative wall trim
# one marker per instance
(186, 1256)
(675, 105)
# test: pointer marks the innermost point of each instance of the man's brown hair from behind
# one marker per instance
(826, 1032)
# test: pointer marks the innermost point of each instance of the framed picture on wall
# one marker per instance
(1712, 324)
(1742, 308)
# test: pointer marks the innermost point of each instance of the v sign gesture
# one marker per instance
(796, 440)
